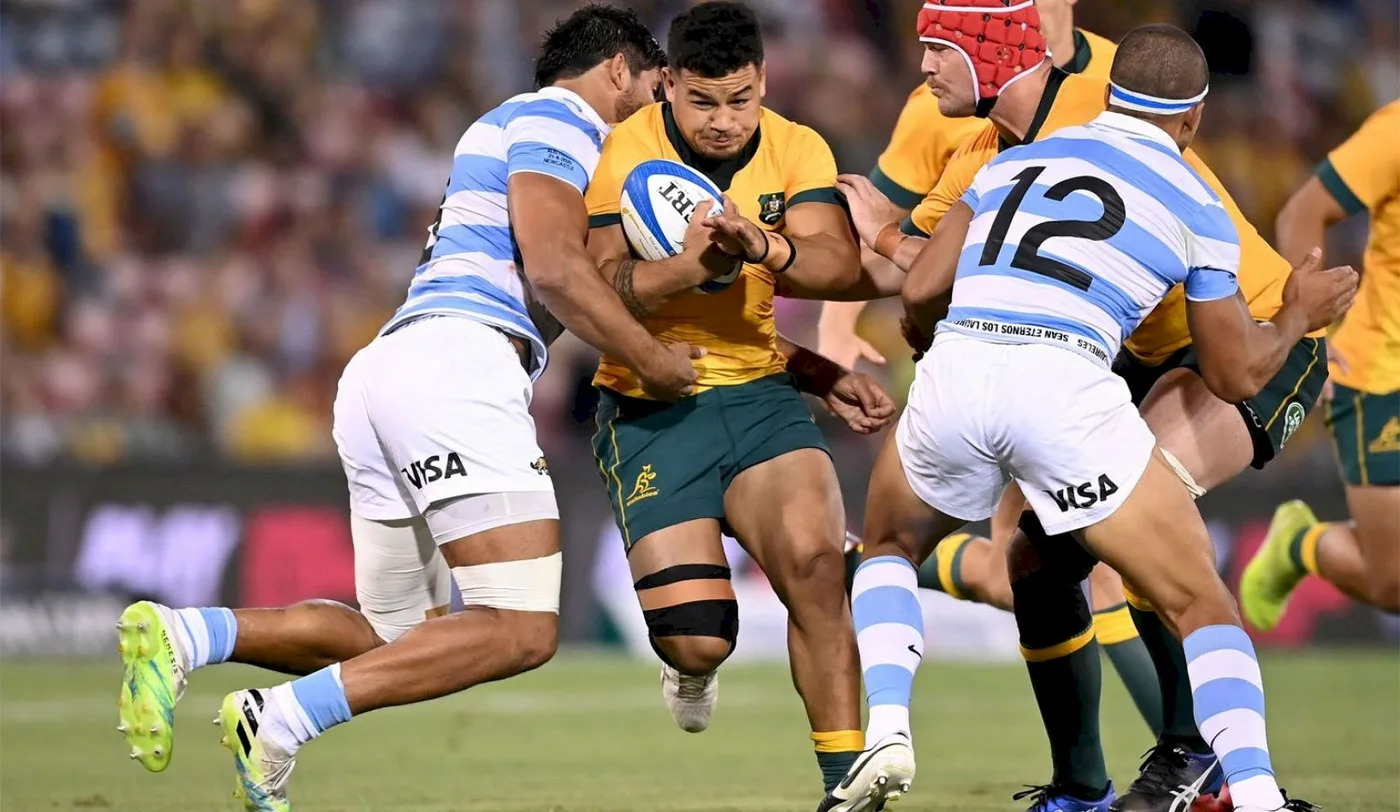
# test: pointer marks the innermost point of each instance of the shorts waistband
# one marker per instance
(1006, 332)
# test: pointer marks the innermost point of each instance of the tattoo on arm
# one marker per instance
(622, 283)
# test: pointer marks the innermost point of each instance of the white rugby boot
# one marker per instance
(882, 774)
(691, 700)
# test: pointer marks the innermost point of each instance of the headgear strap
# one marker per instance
(1000, 40)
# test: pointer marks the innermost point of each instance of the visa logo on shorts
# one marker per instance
(1084, 495)
(422, 472)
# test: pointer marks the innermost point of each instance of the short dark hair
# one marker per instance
(592, 35)
(1160, 60)
(715, 39)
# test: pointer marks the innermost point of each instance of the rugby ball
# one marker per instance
(658, 199)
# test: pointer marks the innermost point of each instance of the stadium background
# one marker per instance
(206, 208)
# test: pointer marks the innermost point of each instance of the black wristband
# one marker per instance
(767, 249)
(792, 255)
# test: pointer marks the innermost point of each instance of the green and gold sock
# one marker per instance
(1067, 679)
(1169, 659)
(1302, 550)
(1118, 635)
(837, 751)
(943, 570)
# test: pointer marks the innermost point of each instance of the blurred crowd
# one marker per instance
(207, 207)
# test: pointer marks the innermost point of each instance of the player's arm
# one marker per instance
(928, 290)
(1353, 178)
(1238, 355)
(645, 286)
(551, 224)
(1303, 222)
(852, 396)
(823, 261)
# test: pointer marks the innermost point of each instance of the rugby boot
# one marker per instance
(1171, 779)
(154, 674)
(882, 774)
(1271, 575)
(691, 700)
(263, 766)
(1049, 798)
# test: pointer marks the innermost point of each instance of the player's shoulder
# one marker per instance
(788, 139)
(1081, 93)
(1385, 120)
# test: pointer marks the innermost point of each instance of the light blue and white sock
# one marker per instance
(890, 635)
(206, 635)
(1228, 692)
(305, 708)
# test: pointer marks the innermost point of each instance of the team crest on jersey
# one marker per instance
(1292, 419)
(771, 207)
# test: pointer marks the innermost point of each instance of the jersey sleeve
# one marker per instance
(1213, 255)
(549, 138)
(604, 196)
(956, 179)
(905, 172)
(812, 172)
(1365, 169)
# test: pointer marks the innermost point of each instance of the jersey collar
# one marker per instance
(1118, 121)
(576, 101)
(1042, 110)
(1083, 54)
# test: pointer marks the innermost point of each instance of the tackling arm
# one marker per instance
(928, 290)
(551, 224)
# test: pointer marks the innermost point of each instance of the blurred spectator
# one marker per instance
(207, 207)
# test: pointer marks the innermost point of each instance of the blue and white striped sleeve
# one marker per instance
(1213, 263)
(973, 196)
(549, 138)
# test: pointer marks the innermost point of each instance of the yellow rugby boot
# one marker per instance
(1271, 575)
(154, 673)
(263, 766)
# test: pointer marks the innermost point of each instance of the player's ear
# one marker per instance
(1107, 94)
(1190, 125)
(618, 71)
(668, 81)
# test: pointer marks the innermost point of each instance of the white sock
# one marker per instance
(284, 720)
(890, 636)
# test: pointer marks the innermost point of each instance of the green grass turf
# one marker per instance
(588, 733)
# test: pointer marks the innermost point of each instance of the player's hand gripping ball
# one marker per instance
(659, 198)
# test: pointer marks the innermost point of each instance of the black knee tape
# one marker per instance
(706, 618)
(711, 618)
(1050, 609)
(682, 572)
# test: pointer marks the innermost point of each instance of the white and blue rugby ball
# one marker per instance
(658, 199)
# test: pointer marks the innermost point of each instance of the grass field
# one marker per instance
(589, 734)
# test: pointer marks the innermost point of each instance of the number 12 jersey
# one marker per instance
(1076, 238)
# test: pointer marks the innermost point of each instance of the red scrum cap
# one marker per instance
(1000, 39)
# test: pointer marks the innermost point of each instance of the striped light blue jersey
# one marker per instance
(471, 267)
(1076, 238)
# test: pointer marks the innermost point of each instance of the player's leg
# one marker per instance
(400, 579)
(1360, 557)
(450, 424)
(783, 502)
(1158, 541)
(1119, 638)
(971, 567)
(660, 464)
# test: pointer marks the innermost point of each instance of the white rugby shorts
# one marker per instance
(437, 409)
(982, 413)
